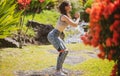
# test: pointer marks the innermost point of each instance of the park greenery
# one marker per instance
(103, 35)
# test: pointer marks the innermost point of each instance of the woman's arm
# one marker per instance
(70, 21)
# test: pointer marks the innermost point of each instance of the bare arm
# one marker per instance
(70, 21)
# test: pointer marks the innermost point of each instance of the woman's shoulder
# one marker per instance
(64, 17)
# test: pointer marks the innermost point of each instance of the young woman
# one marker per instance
(53, 36)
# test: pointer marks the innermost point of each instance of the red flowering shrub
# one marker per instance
(41, 1)
(104, 29)
(35, 6)
(23, 3)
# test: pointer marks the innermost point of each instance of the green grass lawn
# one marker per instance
(28, 58)
(37, 58)
(93, 67)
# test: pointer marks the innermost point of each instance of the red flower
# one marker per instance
(88, 10)
(41, 1)
(86, 40)
(117, 16)
(105, 12)
(97, 32)
(95, 13)
(115, 66)
(101, 55)
(23, 3)
(94, 42)
(115, 25)
(112, 8)
(113, 73)
(108, 42)
(110, 56)
(107, 1)
(112, 28)
(19, 1)
(101, 48)
(116, 38)
(117, 3)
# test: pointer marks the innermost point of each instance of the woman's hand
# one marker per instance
(77, 15)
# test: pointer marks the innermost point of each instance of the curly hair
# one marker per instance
(62, 7)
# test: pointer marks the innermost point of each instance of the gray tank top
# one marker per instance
(59, 22)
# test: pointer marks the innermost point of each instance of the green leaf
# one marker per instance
(9, 18)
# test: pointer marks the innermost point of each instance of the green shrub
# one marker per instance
(76, 6)
(28, 31)
(84, 15)
(45, 17)
(88, 4)
(9, 18)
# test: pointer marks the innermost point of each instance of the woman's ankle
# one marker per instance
(58, 70)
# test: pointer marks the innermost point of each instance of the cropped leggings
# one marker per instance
(57, 42)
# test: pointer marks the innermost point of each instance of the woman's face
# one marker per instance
(68, 8)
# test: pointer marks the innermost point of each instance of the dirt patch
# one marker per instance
(47, 72)
(75, 57)
(72, 60)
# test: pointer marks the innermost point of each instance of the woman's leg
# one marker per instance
(57, 43)
(59, 62)
(64, 54)
(61, 59)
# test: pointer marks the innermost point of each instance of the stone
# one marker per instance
(8, 42)
(47, 72)
(42, 31)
